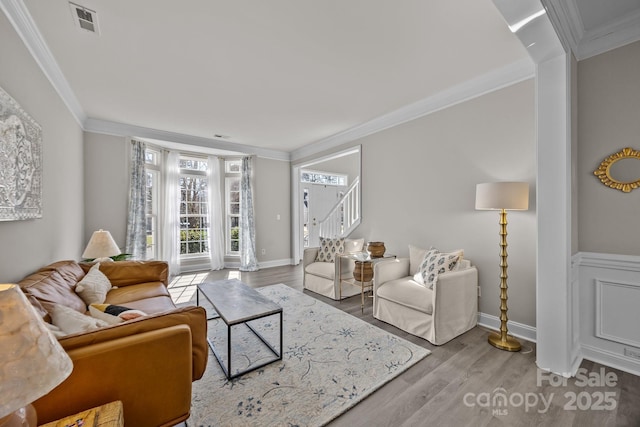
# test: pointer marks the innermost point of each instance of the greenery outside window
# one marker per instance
(194, 210)
(152, 166)
(232, 197)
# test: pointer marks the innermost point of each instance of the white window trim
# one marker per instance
(199, 174)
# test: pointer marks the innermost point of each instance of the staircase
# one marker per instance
(345, 216)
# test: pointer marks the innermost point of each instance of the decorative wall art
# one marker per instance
(20, 162)
(621, 170)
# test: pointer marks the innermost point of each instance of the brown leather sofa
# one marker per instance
(147, 363)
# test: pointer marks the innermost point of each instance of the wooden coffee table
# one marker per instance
(236, 303)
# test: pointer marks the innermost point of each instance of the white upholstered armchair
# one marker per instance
(437, 315)
(324, 277)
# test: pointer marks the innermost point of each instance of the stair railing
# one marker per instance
(345, 216)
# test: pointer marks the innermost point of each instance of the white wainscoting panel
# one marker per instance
(608, 295)
(612, 300)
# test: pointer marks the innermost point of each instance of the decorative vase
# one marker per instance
(376, 249)
(363, 271)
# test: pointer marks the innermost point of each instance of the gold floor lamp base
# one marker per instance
(509, 343)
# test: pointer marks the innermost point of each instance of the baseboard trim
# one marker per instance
(610, 359)
(519, 330)
(276, 263)
(265, 264)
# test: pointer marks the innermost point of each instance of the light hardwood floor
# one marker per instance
(467, 382)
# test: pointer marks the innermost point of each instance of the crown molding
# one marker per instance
(611, 36)
(127, 130)
(566, 21)
(497, 79)
(23, 23)
(607, 261)
(568, 24)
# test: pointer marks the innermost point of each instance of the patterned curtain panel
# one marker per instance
(216, 210)
(170, 237)
(248, 260)
(136, 243)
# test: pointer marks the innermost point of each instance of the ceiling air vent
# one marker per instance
(84, 18)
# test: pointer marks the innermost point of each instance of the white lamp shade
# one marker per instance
(32, 362)
(101, 245)
(502, 195)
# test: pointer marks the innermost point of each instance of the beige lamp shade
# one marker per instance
(101, 245)
(32, 362)
(502, 195)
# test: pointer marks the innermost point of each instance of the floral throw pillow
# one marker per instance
(329, 248)
(433, 264)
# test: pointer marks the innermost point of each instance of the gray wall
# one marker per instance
(419, 183)
(272, 198)
(106, 190)
(28, 245)
(608, 120)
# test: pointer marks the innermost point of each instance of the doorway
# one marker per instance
(318, 200)
(344, 163)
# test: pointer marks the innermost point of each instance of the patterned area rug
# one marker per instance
(331, 361)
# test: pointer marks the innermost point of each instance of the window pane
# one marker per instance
(234, 197)
(193, 164)
(323, 178)
(193, 211)
(233, 166)
(151, 157)
(151, 203)
(234, 208)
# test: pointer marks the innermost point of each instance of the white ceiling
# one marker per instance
(280, 74)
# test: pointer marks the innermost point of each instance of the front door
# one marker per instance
(319, 199)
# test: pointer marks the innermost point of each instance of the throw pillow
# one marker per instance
(433, 264)
(57, 332)
(72, 322)
(329, 248)
(113, 314)
(94, 286)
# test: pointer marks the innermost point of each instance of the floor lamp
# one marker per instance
(503, 196)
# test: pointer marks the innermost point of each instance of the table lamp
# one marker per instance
(101, 247)
(503, 196)
(32, 362)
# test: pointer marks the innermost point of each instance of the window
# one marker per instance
(194, 211)
(232, 197)
(323, 178)
(152, 166)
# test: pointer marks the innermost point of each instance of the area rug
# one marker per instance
(331, 361)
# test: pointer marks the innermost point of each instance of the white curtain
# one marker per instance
(171, 214)
(248, 261)
(136, 242)
(216, 227)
